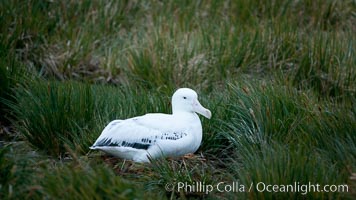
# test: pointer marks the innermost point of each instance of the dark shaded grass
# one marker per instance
(32, 176)
(15, 176)
(18, 168)
(81, 181)
(11, 74)
(280, 164)
(168, 174)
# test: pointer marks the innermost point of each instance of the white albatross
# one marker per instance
(156, 134)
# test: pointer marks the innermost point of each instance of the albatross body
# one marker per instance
(156, 134)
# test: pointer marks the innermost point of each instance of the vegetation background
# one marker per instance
(278, 75)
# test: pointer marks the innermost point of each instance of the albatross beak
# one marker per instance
(198, 108)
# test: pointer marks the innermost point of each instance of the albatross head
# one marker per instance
(185, 99)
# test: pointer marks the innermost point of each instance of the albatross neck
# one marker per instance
(184, 113)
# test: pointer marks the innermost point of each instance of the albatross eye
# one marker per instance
(184, 97)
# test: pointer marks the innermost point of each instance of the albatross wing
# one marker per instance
(136, 138)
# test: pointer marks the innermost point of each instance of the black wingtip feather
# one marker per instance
(109, 143)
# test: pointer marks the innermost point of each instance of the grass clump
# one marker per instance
(326, 66)
(51, 114)
(10, 75)
(17, 169)
(279, 164)
(81, 181)
(279, 137)
(28, 175)
(168, 174)
(74, 114)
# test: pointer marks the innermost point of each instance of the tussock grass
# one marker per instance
(18, 167)
(278, 139)
(278, 164)
(31, 176)
(74, 114)
(13, 177)
(279, 77)
(10, 75)
(62, 112)
(189, 171)
(81, 181)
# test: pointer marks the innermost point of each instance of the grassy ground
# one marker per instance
(279, 77)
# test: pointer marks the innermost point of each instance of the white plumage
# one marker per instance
(154, 135)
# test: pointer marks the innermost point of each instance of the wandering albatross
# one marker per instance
(155, 134)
